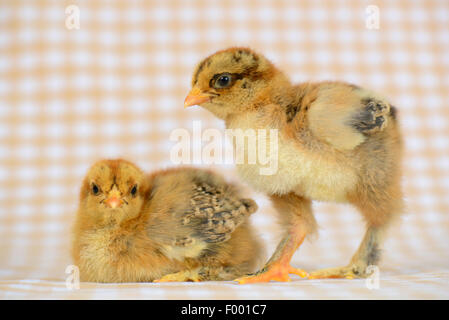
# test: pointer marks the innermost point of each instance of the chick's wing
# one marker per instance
(214, 213)
(196, 208)
(345, 115)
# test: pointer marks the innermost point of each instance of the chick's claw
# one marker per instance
(276, 272)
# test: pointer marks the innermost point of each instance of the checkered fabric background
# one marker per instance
(115, 88)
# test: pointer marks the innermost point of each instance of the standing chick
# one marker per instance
(175, 225)
(336, 142)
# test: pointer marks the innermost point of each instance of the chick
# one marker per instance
(175, 225)
(336, 142)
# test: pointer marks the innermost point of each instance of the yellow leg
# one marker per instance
(278, 267)
(348, 272)
(297, 217)
(182, 276)
(367, 255)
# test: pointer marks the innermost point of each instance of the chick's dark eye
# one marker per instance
(134, 190)
(223, 81)
(95, 189)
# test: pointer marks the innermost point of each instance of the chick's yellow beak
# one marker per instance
(196, 97)
(114, 200)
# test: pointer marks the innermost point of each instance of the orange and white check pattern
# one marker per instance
(115, 88)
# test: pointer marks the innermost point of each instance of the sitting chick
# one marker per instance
(180, 224)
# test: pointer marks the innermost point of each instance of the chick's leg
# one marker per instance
(367, 255)
(182, 276)
(296, 215)
(204, 273)
(278, 267)
(379, 213)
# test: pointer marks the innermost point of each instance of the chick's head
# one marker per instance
(228, 81)
(113, 191)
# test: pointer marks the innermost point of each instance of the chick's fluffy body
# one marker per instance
(184, 222)
(336, 141)
(324, 153)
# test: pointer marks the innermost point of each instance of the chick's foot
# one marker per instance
(348, 272)
(182, 276)
(276, 272)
